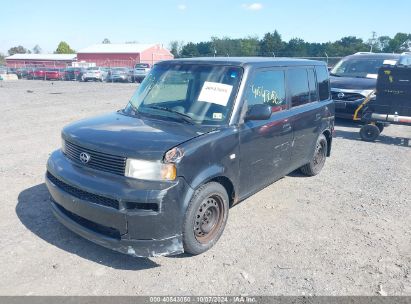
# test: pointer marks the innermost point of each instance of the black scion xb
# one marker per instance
(159, 176)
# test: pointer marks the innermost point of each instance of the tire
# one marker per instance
(380, 126)
(320, 155)
(369, 133)
(205, 218)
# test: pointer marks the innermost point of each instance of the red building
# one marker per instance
(40, 60)
(127, 55)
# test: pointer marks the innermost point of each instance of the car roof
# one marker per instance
(246, 61)
(366, 55)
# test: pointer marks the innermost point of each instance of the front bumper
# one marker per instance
(79, 196)
(346, 109)
(116, 78)
(93, 77)
(139, 76)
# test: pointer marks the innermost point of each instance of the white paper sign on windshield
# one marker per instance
(390, 62)
(215, 92)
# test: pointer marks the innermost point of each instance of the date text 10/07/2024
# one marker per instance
(205, 299)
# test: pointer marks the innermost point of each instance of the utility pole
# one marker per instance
(372, 40)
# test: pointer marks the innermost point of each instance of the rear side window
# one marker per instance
(323, 82)
(267, 87)
(313, 85)
(298, 86)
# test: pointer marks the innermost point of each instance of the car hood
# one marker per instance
(351, 83)
(129, 136)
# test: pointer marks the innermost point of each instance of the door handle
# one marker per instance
(317, 117)
(286, 126)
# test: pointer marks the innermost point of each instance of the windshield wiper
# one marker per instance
(335, 75)
(185, 117)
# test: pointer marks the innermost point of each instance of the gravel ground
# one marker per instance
(346, 231)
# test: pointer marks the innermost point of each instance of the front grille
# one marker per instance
(104, 230)
(347, 96)
(98, 160)
(83, 195)
(100, 200)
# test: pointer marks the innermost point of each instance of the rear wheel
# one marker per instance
(380, 126)
(205, 218)
(320, 155)
(369, 132)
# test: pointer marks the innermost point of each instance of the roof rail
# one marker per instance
(363, 53)
(406, 53)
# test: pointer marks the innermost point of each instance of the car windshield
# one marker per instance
(200, 94)
(358, 67)
(405, 60)
(142, 65)
(93, 68)
(119, 69)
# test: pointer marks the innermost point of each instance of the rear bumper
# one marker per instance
(78, 201)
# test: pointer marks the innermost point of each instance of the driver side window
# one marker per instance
(267, 87)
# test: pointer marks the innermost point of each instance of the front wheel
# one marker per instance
(205, 218)
(317, 162)
(380, 126)
(369, 132)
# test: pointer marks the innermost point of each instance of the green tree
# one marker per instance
(296, 47)
(106, 41)
(2, 58)
(249, 46)
(271, 44)
(397, 43)
(176, 47)
(383, 43)
(18, 50)
(205, 48)
(226, 46)
(37, 49)
(189, 50)
(64, 48)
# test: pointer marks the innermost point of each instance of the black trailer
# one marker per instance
(392, 102)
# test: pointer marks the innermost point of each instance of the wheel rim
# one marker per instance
(369, 133)
(208, 219)
(319, 157)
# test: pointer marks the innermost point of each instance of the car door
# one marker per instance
(265, 144)
(307, 113)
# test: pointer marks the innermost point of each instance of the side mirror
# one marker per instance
(258, 112)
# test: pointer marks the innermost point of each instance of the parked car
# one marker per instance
(74, 73)
(405, 59)
(55, 74)
(140, 71)
(159, 176)
(37, 73)
(120, 74)
(355, 77)
(22, 72)
(95, 74)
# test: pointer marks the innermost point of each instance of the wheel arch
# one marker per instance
(328, 136)
(228, 185)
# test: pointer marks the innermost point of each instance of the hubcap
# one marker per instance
(319, 157)
(208, 219)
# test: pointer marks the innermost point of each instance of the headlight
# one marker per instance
(150, 170)
(368, 92)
